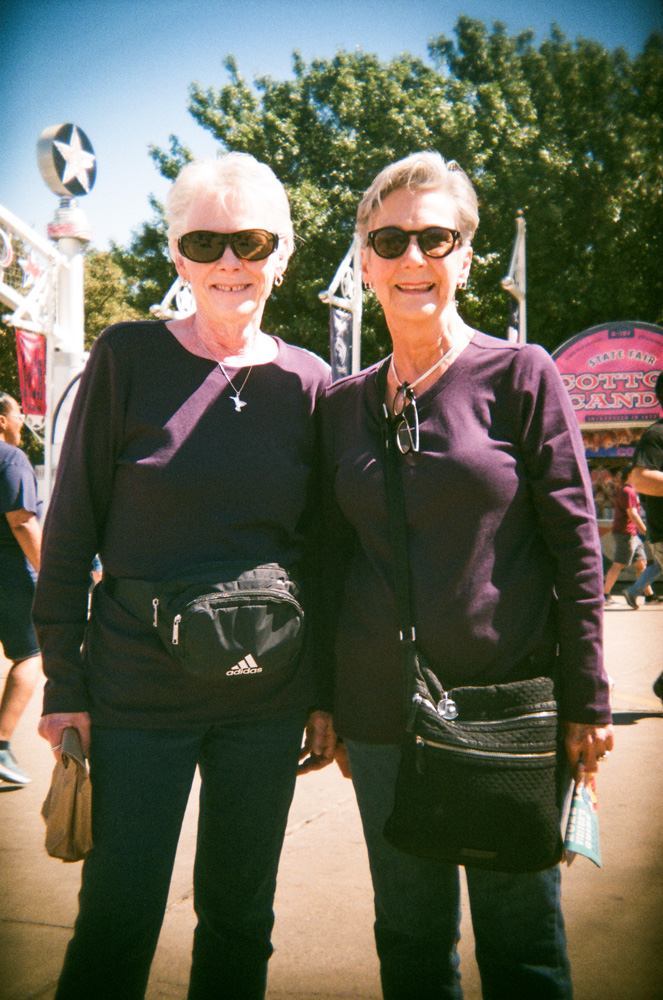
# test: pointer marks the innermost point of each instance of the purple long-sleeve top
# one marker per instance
(503, 543)
(158, 474)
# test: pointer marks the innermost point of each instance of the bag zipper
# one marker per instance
(229, 598)
(497, 754)
(543, 714)
(450, 712)
(176, 630)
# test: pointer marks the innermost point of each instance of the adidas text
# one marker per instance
(245, 666)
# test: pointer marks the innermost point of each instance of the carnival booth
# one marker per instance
(610, 372)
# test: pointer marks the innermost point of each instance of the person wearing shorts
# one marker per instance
(20, 545)
(648, 480)
(627, 526)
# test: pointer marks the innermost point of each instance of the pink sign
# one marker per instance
(610, 372)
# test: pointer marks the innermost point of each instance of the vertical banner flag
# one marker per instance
(31, 352)
(340, 339)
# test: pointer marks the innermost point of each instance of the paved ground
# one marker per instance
(323, 934)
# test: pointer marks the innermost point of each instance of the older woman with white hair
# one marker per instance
(504, 570)
(189, 465)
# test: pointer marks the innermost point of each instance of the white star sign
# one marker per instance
(66, 160)
(79, 163)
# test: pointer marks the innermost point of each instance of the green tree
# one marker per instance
(570, 133)
(146, 265)
(107, 297)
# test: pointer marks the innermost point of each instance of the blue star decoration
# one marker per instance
(74, 159)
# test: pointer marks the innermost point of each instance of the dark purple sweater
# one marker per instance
(500, 520)
(158, 474)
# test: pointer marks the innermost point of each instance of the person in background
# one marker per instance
(190, 441)
(20, 544)
(627, 526)
(505, 564)
(650, 575)
(647, 478)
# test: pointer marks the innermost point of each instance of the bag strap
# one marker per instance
(396, 511)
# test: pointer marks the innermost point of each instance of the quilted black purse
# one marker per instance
(481, 772)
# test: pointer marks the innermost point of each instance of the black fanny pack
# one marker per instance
(229, 619)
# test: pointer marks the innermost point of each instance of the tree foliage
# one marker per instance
(569, 132)
(107, 295)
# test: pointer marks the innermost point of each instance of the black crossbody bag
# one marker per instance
(480, 777)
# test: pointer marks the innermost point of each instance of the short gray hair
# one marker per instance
(234, 176)
(419, 172)
(7, 404)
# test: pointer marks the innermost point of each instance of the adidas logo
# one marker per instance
(246, 666)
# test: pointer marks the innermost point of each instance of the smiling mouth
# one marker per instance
(422, 286)
(231, 288)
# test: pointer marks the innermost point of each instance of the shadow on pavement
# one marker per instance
(630, 718)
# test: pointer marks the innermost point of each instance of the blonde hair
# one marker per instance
(235, 178)
(417, 172)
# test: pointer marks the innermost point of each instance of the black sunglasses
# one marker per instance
(434, 241)
(204, 246)
(407, 420)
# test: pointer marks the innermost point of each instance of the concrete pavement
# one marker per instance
(323, 935)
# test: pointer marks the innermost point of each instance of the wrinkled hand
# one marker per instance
(51, 727)
(591, 743)
(319, 743)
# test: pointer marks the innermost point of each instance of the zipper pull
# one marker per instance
(176, 629)
(416, 702)
(155, 605)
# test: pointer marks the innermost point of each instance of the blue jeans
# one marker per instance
(650, 575)
(517, 919)
(141, 781)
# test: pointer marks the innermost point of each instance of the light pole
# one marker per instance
(68, 166)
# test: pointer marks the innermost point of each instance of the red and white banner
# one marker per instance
(31, 351)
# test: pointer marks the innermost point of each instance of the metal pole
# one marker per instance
(357, 301)
(66, 351)
(515, 282)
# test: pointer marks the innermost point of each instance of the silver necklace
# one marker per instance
(401, 386)
(239, 403)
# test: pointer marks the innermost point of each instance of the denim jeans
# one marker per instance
(648, 576)
(141, 781)
(517, 918)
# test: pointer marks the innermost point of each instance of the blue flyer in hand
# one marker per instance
(582, 828)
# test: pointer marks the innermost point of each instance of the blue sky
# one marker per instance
(120, 69)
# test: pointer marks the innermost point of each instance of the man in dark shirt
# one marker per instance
(647, 478)
(20, 543)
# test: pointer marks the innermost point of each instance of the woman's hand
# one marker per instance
(319, 743)
(51, 728)
(590, 743)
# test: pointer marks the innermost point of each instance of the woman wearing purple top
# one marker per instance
(191, 441)
(505, 568)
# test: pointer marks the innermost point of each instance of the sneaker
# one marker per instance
(653, 599)
(608, 599)
(9, 769)
(630, 600)
(658, 687)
